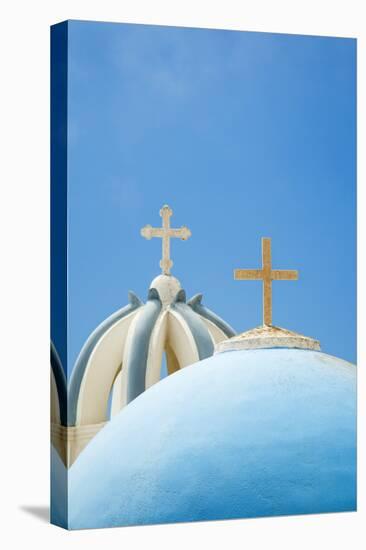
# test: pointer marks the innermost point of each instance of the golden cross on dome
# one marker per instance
(166, 233)
(267, 275)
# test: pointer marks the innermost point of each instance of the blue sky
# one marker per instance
(244, 135)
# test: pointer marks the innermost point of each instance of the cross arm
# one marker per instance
(284, 275)
(148, 232)
(182, 233)
(248, 274)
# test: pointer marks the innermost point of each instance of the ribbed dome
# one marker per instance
(124, 355)
(134, 348)
(242, 434)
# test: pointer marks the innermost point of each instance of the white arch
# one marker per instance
(100, 373)
(122, 391)
(181, 340)
(216, 333)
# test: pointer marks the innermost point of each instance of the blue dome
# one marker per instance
(242, 434)
(58, 508)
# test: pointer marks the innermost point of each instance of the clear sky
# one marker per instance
(244, 135)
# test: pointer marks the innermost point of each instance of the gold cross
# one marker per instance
(267, 275)
(166, 233)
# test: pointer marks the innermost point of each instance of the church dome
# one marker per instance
(245, 433)
(58, 508)
(135, 347)
(136, 338)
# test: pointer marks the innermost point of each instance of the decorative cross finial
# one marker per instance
(267, 275)
(166, 233)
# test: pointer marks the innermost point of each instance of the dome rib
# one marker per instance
(157, 345)
(87, 350)
(123, 356)
(138, 351)
(100, 374)
(180, 347)
(196, 304)
(201, 335)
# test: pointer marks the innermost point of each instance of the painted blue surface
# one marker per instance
(241, 434)
(59, 480)
(244, 135)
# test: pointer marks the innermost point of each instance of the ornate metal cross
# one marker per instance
(166, 233)
(267, 275)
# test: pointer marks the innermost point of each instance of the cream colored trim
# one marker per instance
(71, 441)
(267, 337)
